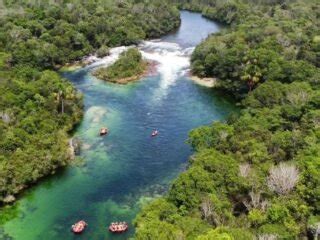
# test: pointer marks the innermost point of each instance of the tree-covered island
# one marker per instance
(129, 67)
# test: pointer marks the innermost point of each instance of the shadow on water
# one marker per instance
(127, 168)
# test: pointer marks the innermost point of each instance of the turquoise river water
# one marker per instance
(127, 168)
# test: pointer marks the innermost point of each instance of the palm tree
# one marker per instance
(252, 74)
(64, 97)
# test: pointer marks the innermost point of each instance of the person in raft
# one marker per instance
(154, 133)
(118, 227)
(103, 131)
(79, 227)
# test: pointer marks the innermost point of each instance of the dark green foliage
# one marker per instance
(156, 221)
(262, 47)
(224, 233)
(48, 35)
(102, 51)
(267, 58)
(36, 115)
(128, 67)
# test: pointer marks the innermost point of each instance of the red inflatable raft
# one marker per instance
(118, 227)
(104, 131)
(154, 133)
(79, 227)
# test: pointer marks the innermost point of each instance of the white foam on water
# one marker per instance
(173, 62)
(108, 60)
(188, 51)
(158, 45)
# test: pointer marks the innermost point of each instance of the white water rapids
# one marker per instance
(172, 60)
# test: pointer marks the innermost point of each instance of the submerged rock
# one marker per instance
(86, 146)
(96, 113)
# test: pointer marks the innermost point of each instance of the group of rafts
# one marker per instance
(115, 227)
(105, 131)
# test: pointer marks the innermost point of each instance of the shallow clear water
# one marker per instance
(126, 168)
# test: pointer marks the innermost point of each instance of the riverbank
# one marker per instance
(76, 65)
(127, 80)
(42, 147)
(206, 82)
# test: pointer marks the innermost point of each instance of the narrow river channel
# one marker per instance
(126, 168)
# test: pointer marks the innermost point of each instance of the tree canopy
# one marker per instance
(129, 67)
(46, 34)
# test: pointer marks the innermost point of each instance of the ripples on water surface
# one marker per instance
(127, 167)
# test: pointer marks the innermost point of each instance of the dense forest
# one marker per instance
(129, 67)
(38, 108)
(255, 176)
(44, 37)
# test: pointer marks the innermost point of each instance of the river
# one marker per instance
(127, 168)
